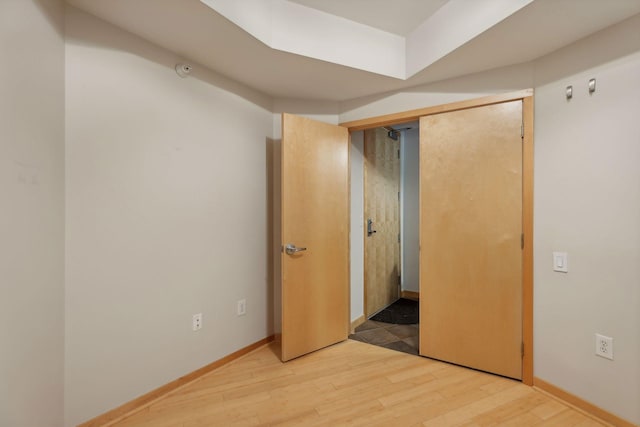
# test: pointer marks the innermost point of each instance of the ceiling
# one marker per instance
(397, 16)
(208, 38)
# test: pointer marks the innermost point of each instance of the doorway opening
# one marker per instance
(391, 246)
(311, 309)
(474, 258)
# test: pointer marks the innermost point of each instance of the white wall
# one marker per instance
(167, 216)
(32, 213)
(356, 248)
(410, 209)
(587, 203)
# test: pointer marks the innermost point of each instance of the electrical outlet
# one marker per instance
(604, 346)
(197, 322)
(241, 308)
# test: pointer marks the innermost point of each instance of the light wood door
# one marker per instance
(382, 207)
(470, 238)
(315, 216)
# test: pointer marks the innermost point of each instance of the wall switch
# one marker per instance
(196, 324)
(560, 262)
(241, 308)
(604, 346)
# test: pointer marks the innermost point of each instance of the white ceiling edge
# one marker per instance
(298, 29)
(290, 27)
(453, 25)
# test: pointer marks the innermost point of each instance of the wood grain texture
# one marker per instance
(581, 404)
(381, 204)
(470, 237)
(315, 215)
(144, 401)
(354, 384)
(411, 115)
(527, 230)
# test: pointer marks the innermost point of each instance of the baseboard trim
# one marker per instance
(359, 321)
(141, 402)
(580, 404)
(410, 295)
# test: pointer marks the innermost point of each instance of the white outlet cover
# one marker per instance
(241, 308)
(604, 346)
(196, 322)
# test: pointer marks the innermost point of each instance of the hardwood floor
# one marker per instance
(355, 384)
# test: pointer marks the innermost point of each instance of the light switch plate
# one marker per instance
(560, 262)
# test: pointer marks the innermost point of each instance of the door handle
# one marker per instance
(370, 229)
(292, 249)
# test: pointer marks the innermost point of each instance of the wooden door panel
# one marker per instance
(382, 249)
(315, 215)
(470, 238)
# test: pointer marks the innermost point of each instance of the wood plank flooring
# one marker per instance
(354, 384)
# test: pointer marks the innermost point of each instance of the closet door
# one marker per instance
(470, 238)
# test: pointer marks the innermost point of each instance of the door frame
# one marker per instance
(526, 96)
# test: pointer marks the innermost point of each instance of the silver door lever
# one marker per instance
(292, 249)
(370, 229)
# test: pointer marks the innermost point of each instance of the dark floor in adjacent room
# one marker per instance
(403, 311)
(394, 327)
(396, 337)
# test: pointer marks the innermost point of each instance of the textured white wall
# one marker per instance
(587, 203)
(32, 213)
(410, 207)
(167, 196)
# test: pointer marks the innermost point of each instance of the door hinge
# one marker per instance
(522, 349)
(522, 241)
(398, 237)
(398, 153)
(522, 130)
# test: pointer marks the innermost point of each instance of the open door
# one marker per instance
(382, 216)
(315, 235)
(470, 238)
